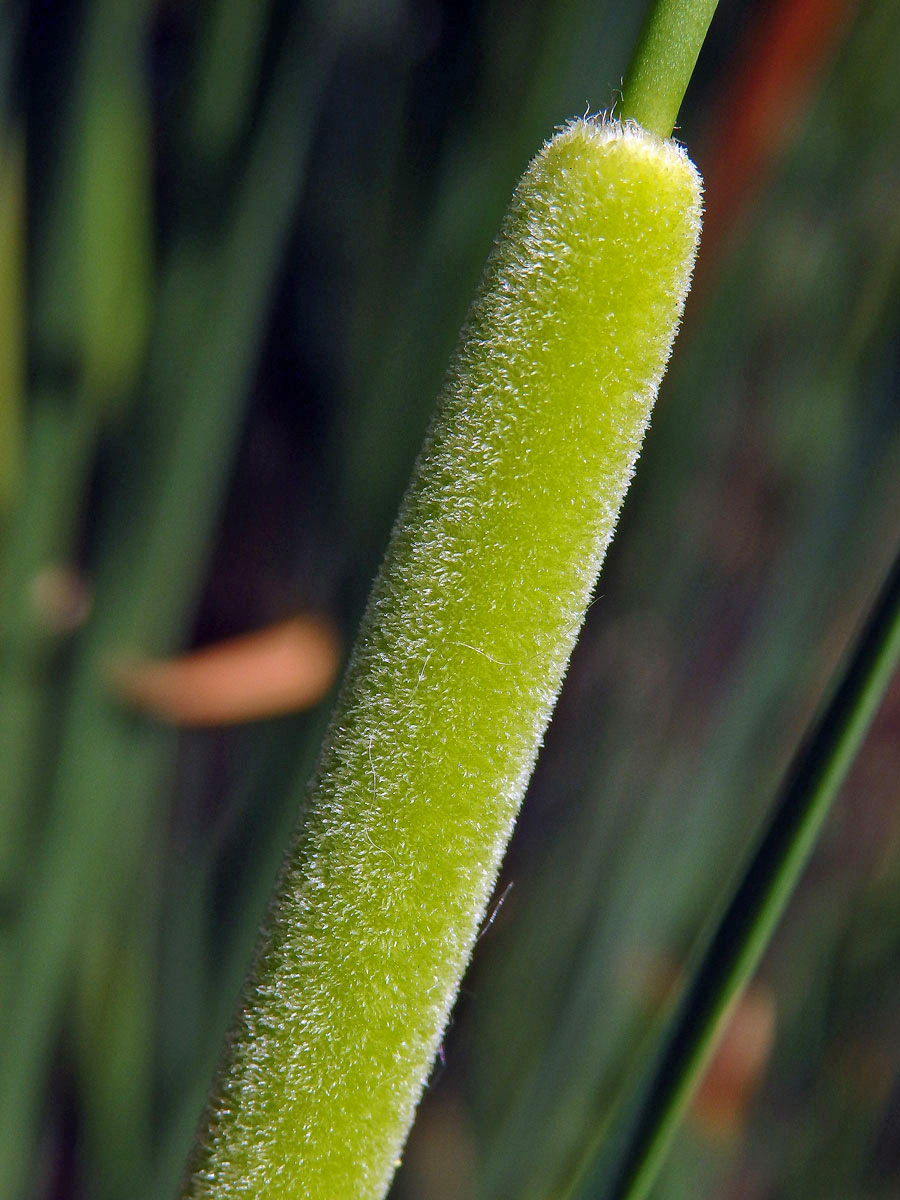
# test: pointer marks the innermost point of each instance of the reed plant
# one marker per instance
(238, 243)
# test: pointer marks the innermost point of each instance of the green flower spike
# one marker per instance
(457, 666)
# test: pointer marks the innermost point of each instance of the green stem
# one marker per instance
(42, 529)
(811, 785)
(663, 62)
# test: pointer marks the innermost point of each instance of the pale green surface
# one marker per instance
(663, 62)
(457, 666)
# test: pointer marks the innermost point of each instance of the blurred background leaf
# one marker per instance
(237, 240)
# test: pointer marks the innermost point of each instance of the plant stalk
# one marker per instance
(663, 62)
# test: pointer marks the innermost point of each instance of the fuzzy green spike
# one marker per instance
(458, 663)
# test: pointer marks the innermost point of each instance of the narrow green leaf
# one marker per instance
(12, 318)
(456, 670)
(226, 74)
(113, 235)
(813, 782)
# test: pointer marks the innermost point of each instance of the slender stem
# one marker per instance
(663, 62)
(813, 780)
(41, 532)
